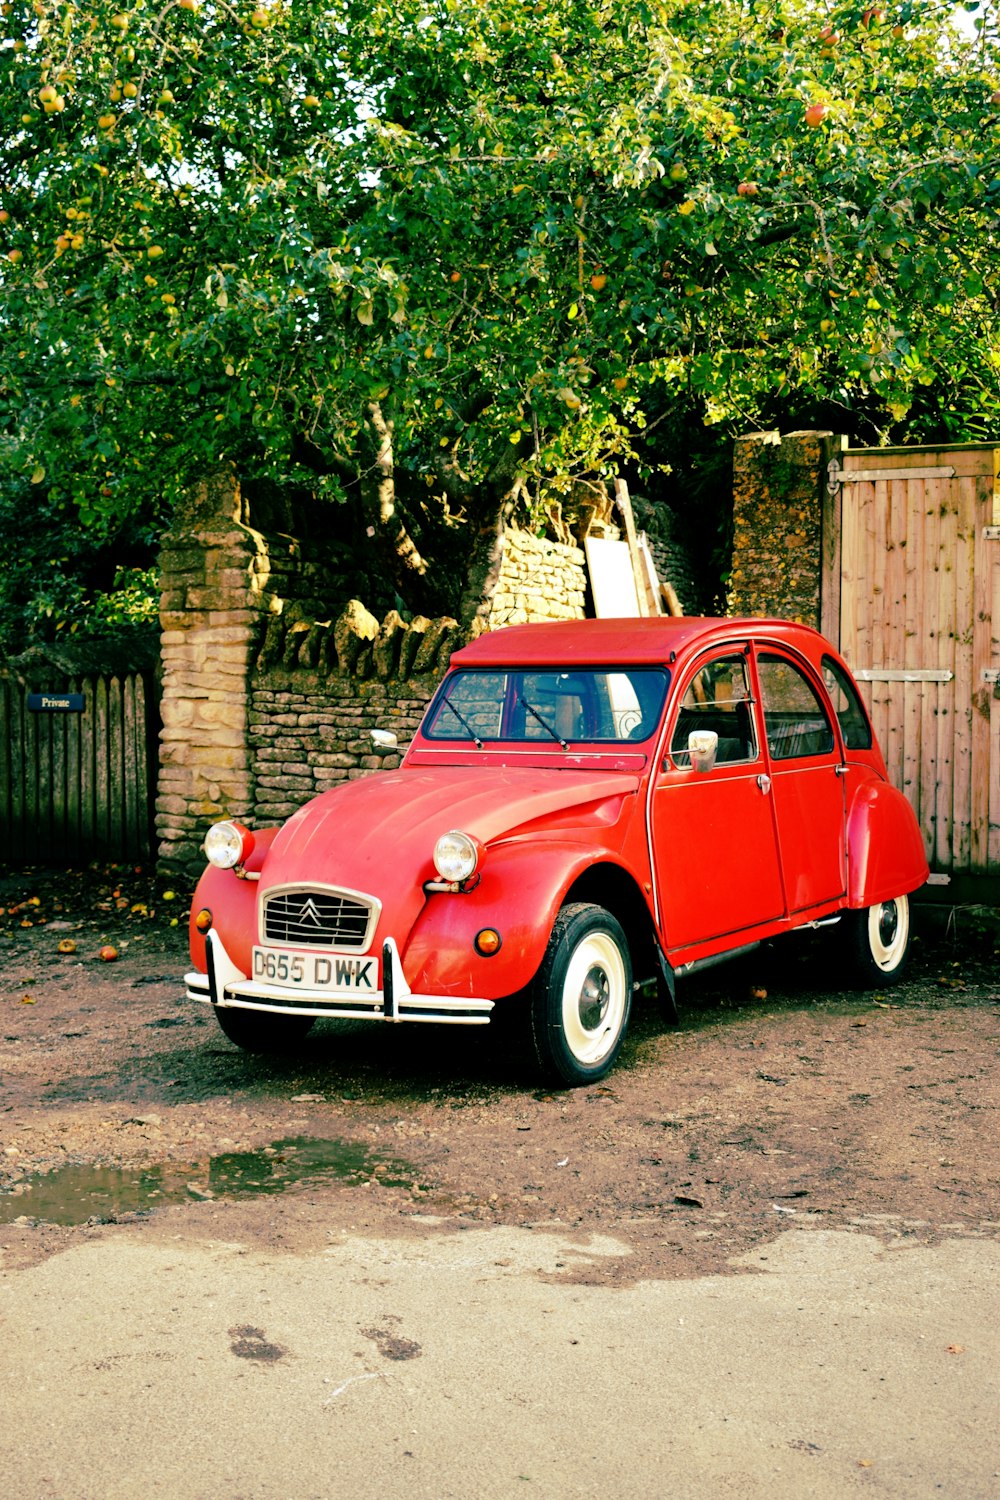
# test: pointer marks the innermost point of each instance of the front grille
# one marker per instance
(318, 919)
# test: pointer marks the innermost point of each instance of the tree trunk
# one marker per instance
(498, 499)
(395, 548)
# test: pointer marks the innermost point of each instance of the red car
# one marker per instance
(586, 806)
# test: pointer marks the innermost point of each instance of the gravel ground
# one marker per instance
(781, 1098)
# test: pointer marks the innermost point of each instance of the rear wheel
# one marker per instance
(879, 939)
(260, 1031)
(581, 997)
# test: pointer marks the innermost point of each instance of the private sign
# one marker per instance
(60, 703)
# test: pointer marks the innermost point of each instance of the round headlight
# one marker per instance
(228, 845)
(456, 855)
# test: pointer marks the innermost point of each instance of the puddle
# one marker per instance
(75, 1194)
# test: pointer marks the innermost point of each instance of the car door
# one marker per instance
(713, 844)
(807, 781)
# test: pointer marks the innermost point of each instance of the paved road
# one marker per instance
(478, 1364)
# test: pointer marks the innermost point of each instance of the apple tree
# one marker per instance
(428, 259)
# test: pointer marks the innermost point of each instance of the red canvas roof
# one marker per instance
(601, 642)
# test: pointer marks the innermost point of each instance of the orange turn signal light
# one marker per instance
(203, 920)
(487, 942)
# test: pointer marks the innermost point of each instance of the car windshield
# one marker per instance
(562, 707)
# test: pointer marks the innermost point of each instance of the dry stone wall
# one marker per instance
(318, 690)
(778, 514)
(308, 734)
(539, 580)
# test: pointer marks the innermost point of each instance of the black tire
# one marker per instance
(879, 942)
(581, 997)
(260, 1031)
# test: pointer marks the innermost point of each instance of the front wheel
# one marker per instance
(260, 1031)
(879, 940)
(581, 996)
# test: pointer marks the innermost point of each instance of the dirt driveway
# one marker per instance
(776, 1098)
(134, 1136)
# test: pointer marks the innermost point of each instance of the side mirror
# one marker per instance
(383, 741)
(703, 746)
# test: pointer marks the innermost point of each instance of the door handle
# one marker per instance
(764, 782)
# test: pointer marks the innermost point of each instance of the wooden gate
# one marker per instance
(77, 770)
(912, 594)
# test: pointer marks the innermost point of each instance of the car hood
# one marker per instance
(377, 835)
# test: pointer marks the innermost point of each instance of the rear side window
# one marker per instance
(847, 705)
(795, 720)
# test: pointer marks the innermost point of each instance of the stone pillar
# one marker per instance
(779, 489)
(214, 600)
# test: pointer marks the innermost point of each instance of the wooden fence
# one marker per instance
(913, 596)
(78, 770)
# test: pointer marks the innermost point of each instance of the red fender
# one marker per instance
(233, 904)
(522, 888)
(885, 851)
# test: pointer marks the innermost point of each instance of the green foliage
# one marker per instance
(520, 232)
(61, 579)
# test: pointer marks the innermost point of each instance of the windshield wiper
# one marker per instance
(544, 723)
(473, 736)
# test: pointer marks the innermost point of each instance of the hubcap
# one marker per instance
(595, 997)
(888, 922)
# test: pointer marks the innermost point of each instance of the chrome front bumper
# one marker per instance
(226, 985)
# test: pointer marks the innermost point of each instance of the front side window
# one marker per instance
(549, 706)
(717, 698)
(795, 721)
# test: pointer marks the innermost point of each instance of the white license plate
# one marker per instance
(316, 971)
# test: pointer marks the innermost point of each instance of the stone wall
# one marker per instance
(317, 691)
(309, 733)
(779, 488)
(539, 580)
